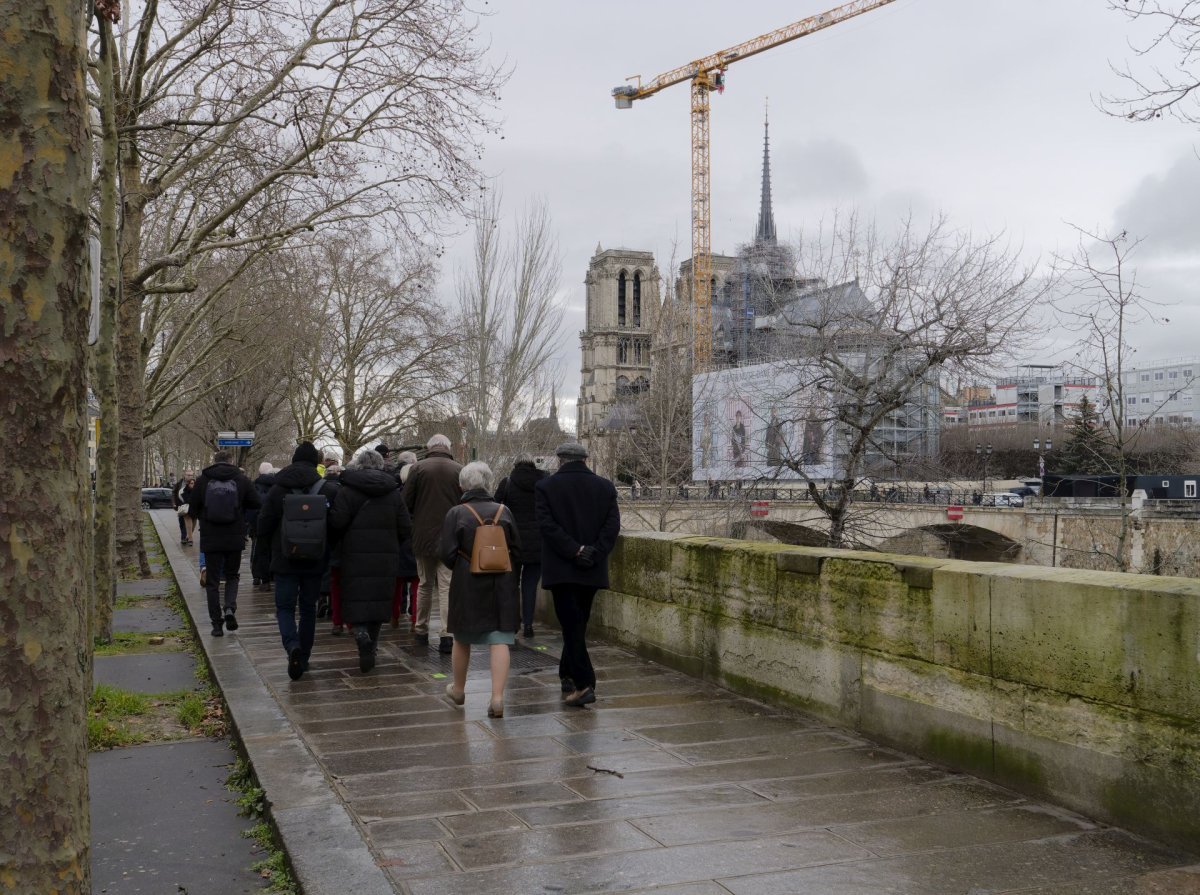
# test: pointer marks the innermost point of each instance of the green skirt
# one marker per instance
(491, 638)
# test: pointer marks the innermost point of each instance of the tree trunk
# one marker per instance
(104, 384)
(131, 379)
(45, 171)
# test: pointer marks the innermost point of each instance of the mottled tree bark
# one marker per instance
(44, 656)
(104, 384)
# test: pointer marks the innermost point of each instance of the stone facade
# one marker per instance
(622, 311)
(1075, 686)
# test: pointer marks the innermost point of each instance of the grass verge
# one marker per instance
(252, 804)
(127, 643)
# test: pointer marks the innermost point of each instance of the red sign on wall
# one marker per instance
(760, 508)
(954, 513)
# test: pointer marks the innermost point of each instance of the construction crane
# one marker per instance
(708, 74)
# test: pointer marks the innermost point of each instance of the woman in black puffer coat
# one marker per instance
(368, 523)
(516, 493)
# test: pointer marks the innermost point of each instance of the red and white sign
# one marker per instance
(954, 513)
(760, 508)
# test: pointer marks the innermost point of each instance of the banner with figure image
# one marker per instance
(760, 422)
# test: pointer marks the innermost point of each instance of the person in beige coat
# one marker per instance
(430, 492)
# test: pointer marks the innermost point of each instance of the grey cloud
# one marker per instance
(824, 169)
(1163, 210)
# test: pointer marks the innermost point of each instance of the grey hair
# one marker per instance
(367, 459)
(524, 457)
(407, 457)
(474, 476)
(438, 441)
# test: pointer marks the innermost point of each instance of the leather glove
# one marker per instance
(586, 557)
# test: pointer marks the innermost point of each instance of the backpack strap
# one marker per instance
(478, 518)
(316, 487)
(496, 518)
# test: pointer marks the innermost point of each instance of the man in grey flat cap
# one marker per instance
(579, 520)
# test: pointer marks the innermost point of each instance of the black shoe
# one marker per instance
(568, 687)
(528, 632)
(217, 631)
(422, 639)
(580, 698)
(337, 630)
(230, 620)
(366, 650)
(446, 646)
(257, 582)
(296, 664)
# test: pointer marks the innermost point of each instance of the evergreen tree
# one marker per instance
(1088, 449)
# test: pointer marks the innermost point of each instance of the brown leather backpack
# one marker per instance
(489, 552)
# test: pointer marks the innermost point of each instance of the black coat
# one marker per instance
(408, 559)
(516, 493)
(479, 604)
(368, 523)
(576, 508)
(223, 537)
(301, 476)
(260, 556)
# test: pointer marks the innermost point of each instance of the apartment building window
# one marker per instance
(1132, 402)
(1187, 374)
(1174, 374)
(1145, 377)
(1131, 421)
(1145, 399)
(1158, 376)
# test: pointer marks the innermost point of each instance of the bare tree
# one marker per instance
(44, 535)
(511, 321)
(1171, 35)
(245, 122)
(857, 361)
(382, 347)
(1102, 305)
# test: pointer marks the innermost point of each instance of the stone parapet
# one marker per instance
(1077, 686)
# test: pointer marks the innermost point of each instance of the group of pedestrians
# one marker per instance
(378, 529)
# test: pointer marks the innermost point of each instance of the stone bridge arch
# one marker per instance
(954, 540)
(792, 533)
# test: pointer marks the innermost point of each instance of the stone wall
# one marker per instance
(1081, 687)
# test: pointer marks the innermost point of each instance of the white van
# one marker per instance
(1002, 499)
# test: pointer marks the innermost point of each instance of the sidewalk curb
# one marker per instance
(324, 847)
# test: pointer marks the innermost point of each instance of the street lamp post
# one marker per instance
(1037, 446)
(986, 452)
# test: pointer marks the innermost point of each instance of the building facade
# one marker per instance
(1162, 393)
(622, 304)
(1044, 395)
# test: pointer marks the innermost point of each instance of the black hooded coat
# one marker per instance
(368, 523)
(223, 537)
(298, 476)
(516, 493)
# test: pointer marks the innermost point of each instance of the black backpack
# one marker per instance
(221, 501)
(304, 523)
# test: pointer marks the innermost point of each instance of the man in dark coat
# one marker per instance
(516, 493)
(579, 520)
(430, 492)
(220, 500)
(297, 581)
(368, 522)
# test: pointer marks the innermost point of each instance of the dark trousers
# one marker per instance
(182, 528)
(227, 565)
(292, 591)
(573, 606)
(531, 574)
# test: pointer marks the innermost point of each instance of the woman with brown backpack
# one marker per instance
(481, 545)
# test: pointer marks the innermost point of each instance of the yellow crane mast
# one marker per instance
(708, 74)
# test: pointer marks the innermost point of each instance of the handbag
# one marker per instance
(183, 509)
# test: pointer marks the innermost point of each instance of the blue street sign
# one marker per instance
(235, 442)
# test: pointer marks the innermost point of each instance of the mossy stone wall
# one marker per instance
(1078, 686)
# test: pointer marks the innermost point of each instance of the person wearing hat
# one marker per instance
(297, 581)
(579, 520)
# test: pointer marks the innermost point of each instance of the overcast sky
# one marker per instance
(985, 110)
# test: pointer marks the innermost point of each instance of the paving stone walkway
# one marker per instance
(666, 784)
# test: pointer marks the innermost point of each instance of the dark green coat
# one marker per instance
(368, 523)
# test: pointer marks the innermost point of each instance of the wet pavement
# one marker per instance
(666, 784)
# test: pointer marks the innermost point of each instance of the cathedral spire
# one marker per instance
(766, 217)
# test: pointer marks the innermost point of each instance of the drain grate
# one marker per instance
(523, 659)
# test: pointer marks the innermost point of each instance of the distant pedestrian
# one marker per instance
(484, 607)
(368, 523)
(408, 578)
(516, 493)
(220, 499)
(294, 522)
(431, 491)
(579, 520)
(181, 496)
(260, 550)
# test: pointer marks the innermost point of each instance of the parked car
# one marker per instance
(1003, 499)
(1024, 491)
(156, 498)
